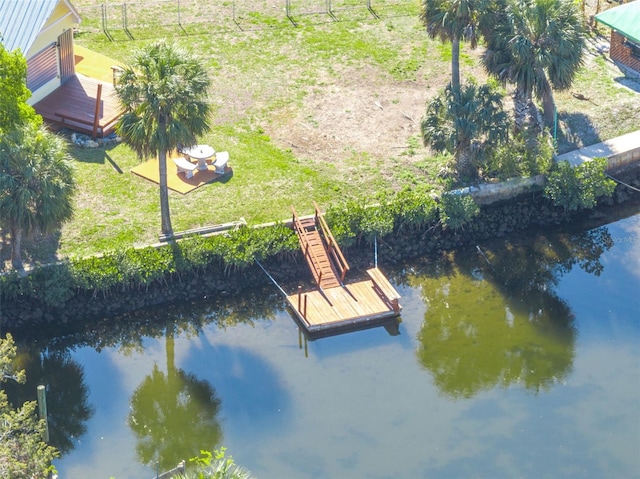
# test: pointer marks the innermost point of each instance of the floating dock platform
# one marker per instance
(335, 307)
(354, 306)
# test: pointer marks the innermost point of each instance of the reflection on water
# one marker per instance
(173, 415)
(515, 358)
(493, 317)
(474, 338)
(67, 395)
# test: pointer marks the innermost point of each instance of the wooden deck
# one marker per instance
(77, 103)
(335, 307)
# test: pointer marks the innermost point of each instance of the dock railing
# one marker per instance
(387, 291)
(308, 252)
(338, 258)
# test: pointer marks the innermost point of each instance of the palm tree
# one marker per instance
(163, 93)
(538, 45)
(36, 184)
(452, 21)
(467, 125)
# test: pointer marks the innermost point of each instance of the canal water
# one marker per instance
(514, 358)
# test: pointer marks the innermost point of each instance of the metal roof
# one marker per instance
(22, 20)
(624, 18)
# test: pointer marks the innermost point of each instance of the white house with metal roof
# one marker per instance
(43, 31)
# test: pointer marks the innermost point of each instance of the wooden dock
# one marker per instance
(334, 306)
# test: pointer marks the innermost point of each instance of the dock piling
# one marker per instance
(42, 409)
(304, 313)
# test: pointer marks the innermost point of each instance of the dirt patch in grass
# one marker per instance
(357, 110)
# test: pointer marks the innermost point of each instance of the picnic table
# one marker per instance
(201, 153)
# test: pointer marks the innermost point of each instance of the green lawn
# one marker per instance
(265, 72)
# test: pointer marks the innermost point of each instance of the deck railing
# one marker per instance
(307, 251)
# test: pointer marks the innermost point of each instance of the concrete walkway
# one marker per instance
(620, 152)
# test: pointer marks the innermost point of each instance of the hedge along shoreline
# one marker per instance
(409, 224)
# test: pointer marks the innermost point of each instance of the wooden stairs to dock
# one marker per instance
(322, 253)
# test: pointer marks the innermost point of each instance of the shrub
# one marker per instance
(97, 274)
(238, 249)
(575, 188)
(232, 251)
(457, 210)
(520, 157)
(344, 221)
(11, 286)
(414, 208)
(216, 466)
(140, 268)
(201, 253)
(377, 220)
(53, 286)
(352, 221)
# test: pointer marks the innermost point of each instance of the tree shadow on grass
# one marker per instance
(630, 83)
(99, 155)
(575, 131)
(41, 249)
